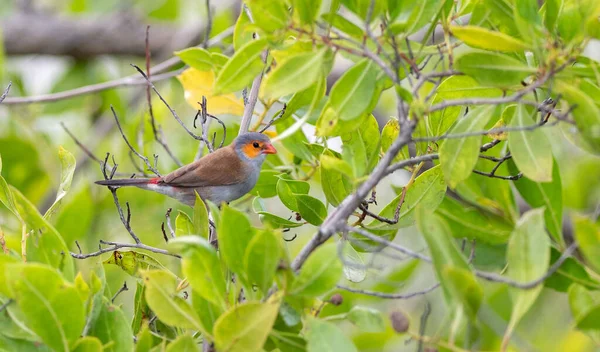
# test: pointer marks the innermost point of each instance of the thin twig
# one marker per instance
(3, 96)
(142, 157)
(122, 289)
(156, 130)
(389, 295)
(209, 25)
(117, 245)
(5, 305)
(482, 274)
(424, 318)
(492, 175)
(274, 119)
(192, 134)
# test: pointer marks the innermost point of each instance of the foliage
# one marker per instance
(499, 115)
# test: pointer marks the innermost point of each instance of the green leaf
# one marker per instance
(450, 265)
(361, 147)
(132, 262)
(544, 194)
(455, 87)
(308, 97)
(88, 344)
(294, 142)
(184, 343)
(51, 307)
(276, 221)
(197, 58)
(585, 306)
(474, 223)
(351, 94)
(307, 10)
(530, 149)
(79, 206)
(67, 163)
(493, 69)
(200, 218)
(113, 329)
(553, 8)
(261, 259)
(366, 319)
(528, 257)
(241, 33)
(464, 288)
(483, 38)
(245, 327)
(166, 303)
(587, 234)
(586, 113)
(413, 15)
(428, 190)
(241, 69)
(340, 22)
(44, 244)
(266, 186)
(7, 198)
(527, 18)
(296, 73)
(335, 179)
(5, 261)
(389, 134)
(270, 16)
(458, 156)
(311, 209)
(287, 190)
(207, 312)
(235, 234)
(323, 336)
(319, 274)
(202, 268)
(184, 225)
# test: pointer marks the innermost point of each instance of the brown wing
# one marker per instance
(222, 167)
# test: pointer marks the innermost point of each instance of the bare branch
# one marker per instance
(192, 134)
(133, 80)
(412, 161)
(122, 289)
(274, 119)
(251, 103)
(530, 284)
(389, 295)
(336, 220)
(117, 245)
(156, 131)
(143, 158)
(3, 96)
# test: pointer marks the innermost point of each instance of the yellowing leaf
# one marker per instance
(198, 83)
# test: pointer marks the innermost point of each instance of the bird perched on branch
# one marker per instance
(222, 176)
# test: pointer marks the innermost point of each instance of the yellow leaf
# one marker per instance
(200, 83)
(499, 135)
(271, 134)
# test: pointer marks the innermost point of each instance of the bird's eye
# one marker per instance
(255, 145)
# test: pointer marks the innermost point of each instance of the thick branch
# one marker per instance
(87, 37)
(133, 80)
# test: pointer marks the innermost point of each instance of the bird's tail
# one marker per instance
(128, 182)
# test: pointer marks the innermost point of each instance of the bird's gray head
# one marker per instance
(253, 146)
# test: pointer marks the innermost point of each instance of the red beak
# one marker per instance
(269, 149)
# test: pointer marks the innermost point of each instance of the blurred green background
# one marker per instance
(30, 135)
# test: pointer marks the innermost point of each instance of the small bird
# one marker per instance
(222, 176)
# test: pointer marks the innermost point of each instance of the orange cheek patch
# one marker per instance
(250, 151)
